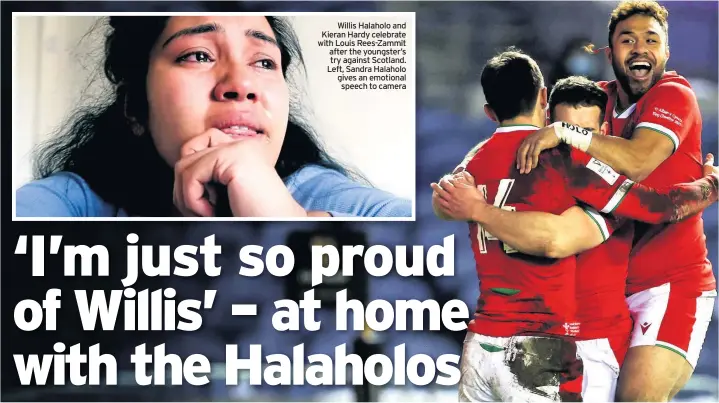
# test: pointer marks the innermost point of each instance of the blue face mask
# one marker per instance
(581, 65)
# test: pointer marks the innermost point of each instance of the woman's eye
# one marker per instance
(195, 57)
(266, 64)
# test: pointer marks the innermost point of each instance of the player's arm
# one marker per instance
(597, 185)
(663, 123)
(637, 157)
(530, 232)
(544, 234)
(671, 204)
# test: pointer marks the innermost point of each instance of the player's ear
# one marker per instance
(548, 117)
(604, 129)
(608, 53)
(490, 113)
(543, 99)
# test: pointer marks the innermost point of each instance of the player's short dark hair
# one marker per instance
(630, 8)
(511, 82)
(577, 91)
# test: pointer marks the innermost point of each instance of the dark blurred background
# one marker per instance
(454, 40)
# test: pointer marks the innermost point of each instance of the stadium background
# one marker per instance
(454, 40)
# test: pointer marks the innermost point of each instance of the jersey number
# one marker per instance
(483, 236)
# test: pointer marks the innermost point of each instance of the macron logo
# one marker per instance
(645, 327)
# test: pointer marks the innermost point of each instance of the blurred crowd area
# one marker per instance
(454, 40)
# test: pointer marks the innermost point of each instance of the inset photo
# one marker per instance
(214, 117)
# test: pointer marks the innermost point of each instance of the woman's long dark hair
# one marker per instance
(124, 169)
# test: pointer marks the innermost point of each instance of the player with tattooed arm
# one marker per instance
(527, 305)
(655, 137)
(601, 307)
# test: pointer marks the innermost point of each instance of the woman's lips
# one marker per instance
(241, 131)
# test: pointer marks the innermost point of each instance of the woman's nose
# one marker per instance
(236, 85)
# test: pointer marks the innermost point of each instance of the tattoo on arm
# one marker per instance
(671, 204)
(692, 198)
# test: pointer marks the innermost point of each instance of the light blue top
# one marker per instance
(315, 188)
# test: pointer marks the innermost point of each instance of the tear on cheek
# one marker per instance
(268, 114)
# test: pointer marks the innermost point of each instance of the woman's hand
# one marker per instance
(243, 165)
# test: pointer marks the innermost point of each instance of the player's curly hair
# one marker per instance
(630, 8)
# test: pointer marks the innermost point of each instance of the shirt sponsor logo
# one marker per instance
(664, 114)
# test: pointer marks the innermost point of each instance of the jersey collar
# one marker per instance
(613, 91)
(514, 128)
(627, 112)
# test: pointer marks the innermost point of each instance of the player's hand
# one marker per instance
(439, 194)
(532, 146)
(709, 167)
(243, 165)
(456, 198)
(462, 178)
(437, 203)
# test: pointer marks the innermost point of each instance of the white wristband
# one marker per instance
(575, 136)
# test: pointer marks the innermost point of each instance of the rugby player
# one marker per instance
(601, 308)
(515, 349)
(655, 127)
(525, 304)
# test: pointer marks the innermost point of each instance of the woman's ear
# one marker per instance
(135, 126)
